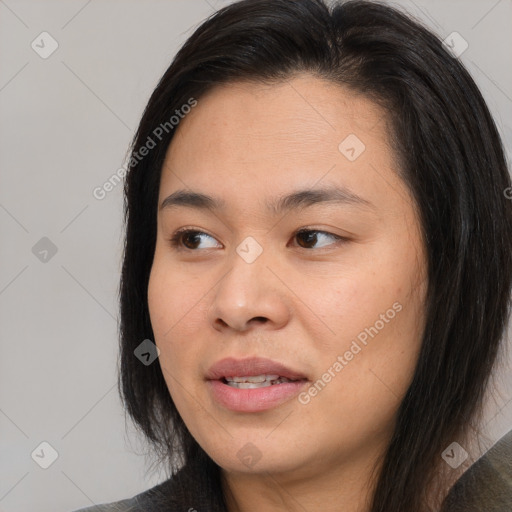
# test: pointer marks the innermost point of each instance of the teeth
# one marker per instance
(250, 385)
(255, 378)
(257, 381)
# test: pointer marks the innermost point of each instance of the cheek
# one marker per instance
(167, 310)
(178, 302)
(352, 303)
(372, 362)
(377, 320)
(175, 297)
(169, 303)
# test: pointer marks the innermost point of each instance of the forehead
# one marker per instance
(301, 109)
(248, 136)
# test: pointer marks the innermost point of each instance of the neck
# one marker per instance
(315, 486)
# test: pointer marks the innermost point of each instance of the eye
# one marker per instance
(312, 236)
(189, 239)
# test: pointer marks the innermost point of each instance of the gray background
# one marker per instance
(66, 122)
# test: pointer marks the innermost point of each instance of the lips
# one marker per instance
(253, 397)
(231, 367)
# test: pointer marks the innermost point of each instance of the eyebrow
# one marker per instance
(294, 201)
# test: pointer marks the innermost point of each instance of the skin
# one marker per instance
(301, 303)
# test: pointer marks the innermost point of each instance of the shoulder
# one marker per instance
(117, 506)
(194, 487)
(487, 484)
(143, 502)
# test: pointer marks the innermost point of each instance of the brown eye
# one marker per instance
(189, 239)
(309, 237)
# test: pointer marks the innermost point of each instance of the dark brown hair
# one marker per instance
(451, 158)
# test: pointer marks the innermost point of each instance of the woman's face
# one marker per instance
(341, 304)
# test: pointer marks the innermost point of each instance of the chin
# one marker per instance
(255, 457)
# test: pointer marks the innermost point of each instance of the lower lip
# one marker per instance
(254, 400)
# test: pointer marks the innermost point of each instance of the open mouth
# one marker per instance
(255, 382)
(257, 387)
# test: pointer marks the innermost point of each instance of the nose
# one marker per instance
(249, 294)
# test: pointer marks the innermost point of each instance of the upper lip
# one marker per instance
(231, 367)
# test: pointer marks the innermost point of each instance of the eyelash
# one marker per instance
(175, 240)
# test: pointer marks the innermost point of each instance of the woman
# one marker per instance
(318, 241)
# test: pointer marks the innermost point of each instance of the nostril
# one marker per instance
(261, 319)
(243, 325)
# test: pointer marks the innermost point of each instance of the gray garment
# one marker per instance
(128, 505)
(192, 488)
(485, 487)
